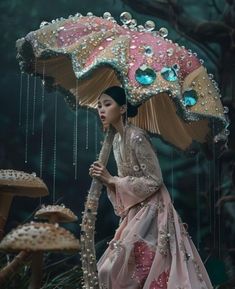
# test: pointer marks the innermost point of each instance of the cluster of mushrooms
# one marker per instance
(30, 240)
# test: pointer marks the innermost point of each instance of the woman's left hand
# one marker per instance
(100, 172)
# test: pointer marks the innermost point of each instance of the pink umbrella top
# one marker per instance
(83, 55)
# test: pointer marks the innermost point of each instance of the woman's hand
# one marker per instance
(100, 172)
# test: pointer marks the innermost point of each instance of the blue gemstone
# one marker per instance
(145, 75)
(189, 98)
(169, 73)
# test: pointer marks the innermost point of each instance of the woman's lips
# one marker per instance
(102, 117)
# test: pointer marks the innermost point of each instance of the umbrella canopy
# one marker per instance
(83, 55)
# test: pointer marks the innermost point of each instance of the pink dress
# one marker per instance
(151, 248)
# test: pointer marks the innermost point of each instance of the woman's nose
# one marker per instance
(101, 110)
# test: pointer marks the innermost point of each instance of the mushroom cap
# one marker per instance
(39, 237)
(61, 213)
(22, 184)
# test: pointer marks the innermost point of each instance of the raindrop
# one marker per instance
(133, 23)
(140, 28)
(163, 32)
(96, 137)
(226, 109)
(34, 98)
(149, 25)
(198, 203)
(27, 122)
(44, 23)
(54, 150)
(75, 137)
(227, 132)
(125, 17)
(87, 128)
(107, 15)
(42, 121)
(211, 76)
(172, 175)
(20, 102)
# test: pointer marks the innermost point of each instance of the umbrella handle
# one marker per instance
(88, 254)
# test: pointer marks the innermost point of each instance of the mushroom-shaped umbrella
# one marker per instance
(37, 238)
(17, 183)
(56, 214)
(82, 56)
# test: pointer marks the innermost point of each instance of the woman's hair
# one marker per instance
(118, 94)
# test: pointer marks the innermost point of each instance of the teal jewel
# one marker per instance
(189, 98)
(169, 73)
(145, 75)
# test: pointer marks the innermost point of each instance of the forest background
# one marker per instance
(202, 189)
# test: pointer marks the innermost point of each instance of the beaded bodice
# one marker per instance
(134, 154)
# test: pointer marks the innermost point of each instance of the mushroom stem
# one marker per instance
(5, 204)
(53, 219)
(13, 266)
(36, 268)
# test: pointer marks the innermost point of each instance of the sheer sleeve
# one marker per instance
(145, 179)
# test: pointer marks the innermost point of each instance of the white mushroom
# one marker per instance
(37, 238)
(56, 214)
(17, 183)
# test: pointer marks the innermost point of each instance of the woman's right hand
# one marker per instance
(99, 171)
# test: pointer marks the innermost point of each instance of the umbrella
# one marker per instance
(83, 55)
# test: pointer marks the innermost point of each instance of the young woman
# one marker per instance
(151, 248)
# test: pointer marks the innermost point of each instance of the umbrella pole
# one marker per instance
(88, 254)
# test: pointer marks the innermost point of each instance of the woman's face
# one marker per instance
(109, 111)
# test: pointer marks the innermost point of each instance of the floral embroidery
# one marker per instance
(143, 259)
(143, 166)
(161, 282)
(164, 238)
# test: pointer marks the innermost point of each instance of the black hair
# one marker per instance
(118, 94)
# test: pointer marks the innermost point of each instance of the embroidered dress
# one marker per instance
(151, 248)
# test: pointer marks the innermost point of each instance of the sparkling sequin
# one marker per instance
(169, 74)
(145, 75)
(189, 98)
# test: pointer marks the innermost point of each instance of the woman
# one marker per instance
(151, 248)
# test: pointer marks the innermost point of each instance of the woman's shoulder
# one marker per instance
(136, 133)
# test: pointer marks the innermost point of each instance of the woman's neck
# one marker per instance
(120, 127)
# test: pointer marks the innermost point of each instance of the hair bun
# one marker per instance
(131, 110)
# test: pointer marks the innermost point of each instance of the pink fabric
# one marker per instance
(106, 32)
(162, 281)
(151, 248)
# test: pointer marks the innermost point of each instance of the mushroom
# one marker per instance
(37, 238)
(17, 183)
(56, 214)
